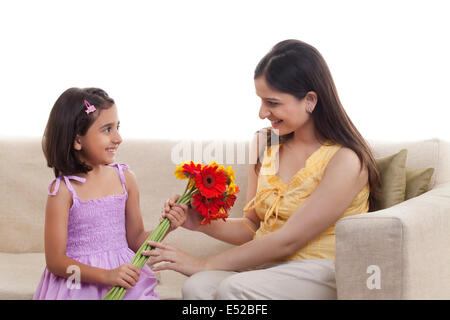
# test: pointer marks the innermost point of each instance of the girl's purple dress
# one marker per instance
(96, 236)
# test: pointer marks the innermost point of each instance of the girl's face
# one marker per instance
(285, 112)
(99, 145)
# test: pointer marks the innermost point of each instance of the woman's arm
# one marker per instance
(235, 231)
(341, 182)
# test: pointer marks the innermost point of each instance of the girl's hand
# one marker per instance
(177, 215)
(125, 276)
(192, 218)
(175, 259)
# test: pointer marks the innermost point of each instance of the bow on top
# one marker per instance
(273, 210)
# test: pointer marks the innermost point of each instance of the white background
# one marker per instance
(184, 69)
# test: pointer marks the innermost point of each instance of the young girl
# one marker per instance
(320, 171)
(93, 223)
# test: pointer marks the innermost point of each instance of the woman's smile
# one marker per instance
(276, 123)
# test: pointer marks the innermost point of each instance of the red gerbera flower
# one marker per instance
(229, 201)
(191, 169)
(208, 208)
(211, 182)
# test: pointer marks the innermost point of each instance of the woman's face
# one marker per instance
(285, 112)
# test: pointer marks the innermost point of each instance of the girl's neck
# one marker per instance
(97, 170)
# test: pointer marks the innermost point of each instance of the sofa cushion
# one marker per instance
(417, 181)
(20, 274)
(393, 179)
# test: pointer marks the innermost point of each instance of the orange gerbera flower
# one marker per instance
(222, 214)
(211, 182)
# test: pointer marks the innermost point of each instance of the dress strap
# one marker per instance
(68, 184)
(120, 167)
(269, 165)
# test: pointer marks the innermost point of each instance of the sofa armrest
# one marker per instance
(402, 252)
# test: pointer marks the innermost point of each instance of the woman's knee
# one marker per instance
(192, 287)
(203, 285)
(230, 288)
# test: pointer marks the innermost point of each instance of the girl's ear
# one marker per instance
(77, 143)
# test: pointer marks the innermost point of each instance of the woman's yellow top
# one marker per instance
(276, 201)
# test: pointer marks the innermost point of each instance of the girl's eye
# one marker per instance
(118, 128)
(271, 103)
(108, 129)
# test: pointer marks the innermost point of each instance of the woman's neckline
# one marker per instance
(307, 163)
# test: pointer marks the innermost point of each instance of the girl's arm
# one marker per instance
(56, 221)
(341, 182)
(136, 235)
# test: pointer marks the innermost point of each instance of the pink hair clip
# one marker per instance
(89, 107)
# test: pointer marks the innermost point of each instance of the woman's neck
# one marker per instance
(306, 136)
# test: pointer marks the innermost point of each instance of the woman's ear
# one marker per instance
(311, 100)
(77, 143)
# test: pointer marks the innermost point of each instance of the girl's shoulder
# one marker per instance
(58, 191)
(128, 176)
(123, 168)
(56, 187)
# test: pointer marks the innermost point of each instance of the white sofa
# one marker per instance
(408, 243)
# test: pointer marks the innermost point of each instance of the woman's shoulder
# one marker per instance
(347, 160)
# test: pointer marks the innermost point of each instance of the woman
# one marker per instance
(324, 170)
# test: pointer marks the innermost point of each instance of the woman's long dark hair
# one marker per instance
(295, 67)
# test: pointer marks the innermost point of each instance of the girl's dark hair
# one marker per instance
(295, 67)
(68, 118)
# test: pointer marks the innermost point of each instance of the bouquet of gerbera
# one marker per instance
(211, 190)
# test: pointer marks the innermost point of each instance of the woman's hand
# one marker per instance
(192, 218)
(126, 276)
(174, 259)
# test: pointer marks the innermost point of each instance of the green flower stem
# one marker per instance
(139, 260)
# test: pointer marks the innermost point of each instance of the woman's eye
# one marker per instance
(108, 129)
(271, 103)
(118, 128)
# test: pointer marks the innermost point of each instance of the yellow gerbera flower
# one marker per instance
(232, 188)
(230, 173)
(179, 173)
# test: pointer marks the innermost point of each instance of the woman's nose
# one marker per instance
(263, 112)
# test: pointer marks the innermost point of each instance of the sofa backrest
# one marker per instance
(432, 153)
(25, 178)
